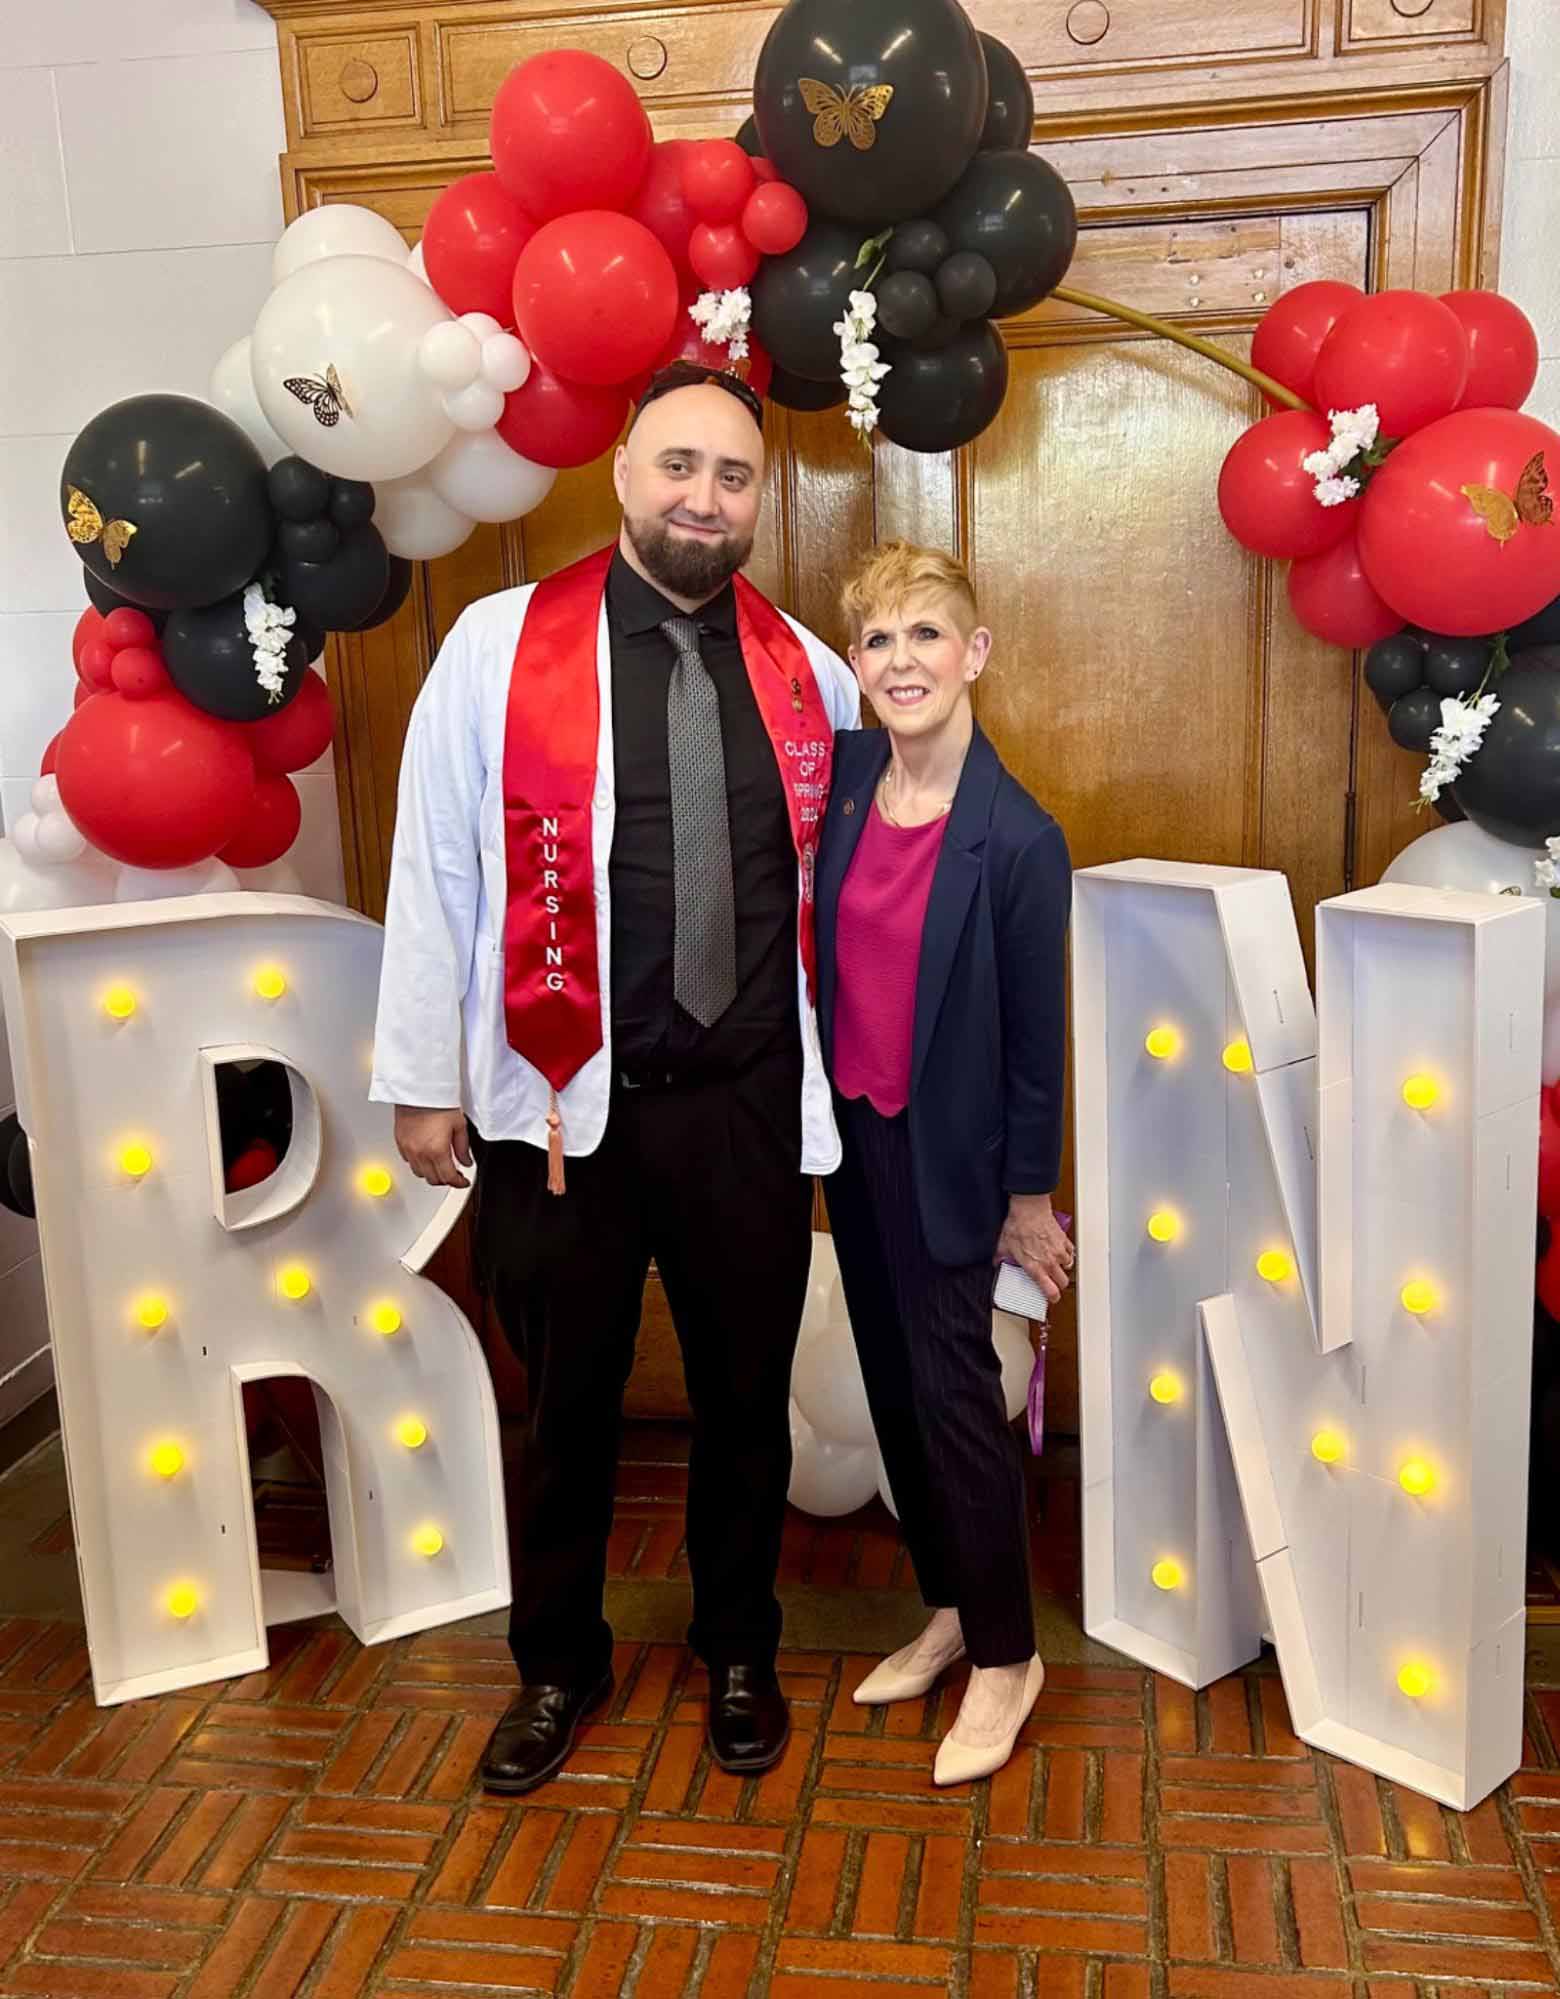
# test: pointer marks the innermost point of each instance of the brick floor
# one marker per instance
(315, 1830)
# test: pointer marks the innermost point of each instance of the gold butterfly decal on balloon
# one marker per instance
(845, 114)
(1530, 506)
(324, 394)
(84, 524)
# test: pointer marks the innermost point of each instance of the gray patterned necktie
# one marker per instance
(704, 974)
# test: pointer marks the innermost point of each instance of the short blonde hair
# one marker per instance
(889, 576)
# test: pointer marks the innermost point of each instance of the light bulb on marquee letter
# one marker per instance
(1164, 1225)
(119, 1002)
(1163, 1043)
(1339, 1479)
(1237, 1057)
(168, 1293)
(1166, 1574)
(1165, 1387)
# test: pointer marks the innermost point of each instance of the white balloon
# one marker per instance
(885, 1491)
(828, 1479)
(280, 878)
(825, 1299)
(24, 886)
(506, 362)
(482, 324)
(826, 1381)
(477, 407)
(232, 390)
(211, 877)
(338, 229)
(478, 474)
(365, 319)
(416, 266)
(46, 793)
(1010, 1337)
(59, 839)
(415, 522)
(450, 355)
(24, 837)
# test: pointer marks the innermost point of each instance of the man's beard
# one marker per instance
(687, 565)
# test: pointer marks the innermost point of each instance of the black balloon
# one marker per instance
(1455, 666)
(191, 485)
(798, 297)
(1414, 718)
(748, 139)
(907, 304)
(1394, 667)
(105, 600)
(939, 334)
(1542, 629)
(1010, 103)
(299, 491)
(340, 595)
(211, 660)
(396, 593)
(966, 286)
(16, 1188)
(798, 392)
(938, 401)
(1445, 802)
(917, 246)
(351, 503)
(1018, 214)
(1510, 786)
(926, 53)
(307, 541)
(312, 637)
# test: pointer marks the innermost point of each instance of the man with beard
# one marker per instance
(603, 874)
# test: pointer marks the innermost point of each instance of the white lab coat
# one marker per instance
(440, 1038)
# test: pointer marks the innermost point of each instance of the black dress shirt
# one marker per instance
(653, 1038)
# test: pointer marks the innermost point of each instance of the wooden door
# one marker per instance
(1148, 683)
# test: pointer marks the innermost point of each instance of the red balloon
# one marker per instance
(155, 783)
(1502, 350)
(1429, 551)
(722, 257)
(568, 132)
(1331, 596)
(717, 179)
(270, 824)
(257, 1162)
(46, 768)
(83, 693)
(775, 218)
(1549, 1152)
(96, 665)
(1404, 351)
(1548, 1277)
(559, 423)
(1290, 333)
(89, 626)
(1268, 499)
(595, 296)
(138, 672)
(764, 169)
(471, 243)
(659, 204)
(128, 627)
(296, 735)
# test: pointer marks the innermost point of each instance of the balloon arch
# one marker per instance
(853, 247)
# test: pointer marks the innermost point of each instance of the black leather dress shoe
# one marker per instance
(536, 1735)
(750, 1722)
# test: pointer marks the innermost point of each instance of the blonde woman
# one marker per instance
(943, 897)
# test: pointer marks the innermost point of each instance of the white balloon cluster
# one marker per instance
(356, 365)
(835, 1463)
(47, 835)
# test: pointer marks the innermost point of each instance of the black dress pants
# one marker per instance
(706, 1178)
(934, 1385)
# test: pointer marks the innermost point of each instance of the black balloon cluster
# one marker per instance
(907, 132)
(1510, 786)
(172, 511)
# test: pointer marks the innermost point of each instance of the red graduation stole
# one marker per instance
(552, 989)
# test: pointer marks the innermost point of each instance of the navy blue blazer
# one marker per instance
(989, 1048)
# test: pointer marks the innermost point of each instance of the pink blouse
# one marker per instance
(878, 953)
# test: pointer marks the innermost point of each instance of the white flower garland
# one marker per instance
(860, 368)
(1463, 723)
(1546, 873)
(270, 630)
(1353, 432)
(723, 318)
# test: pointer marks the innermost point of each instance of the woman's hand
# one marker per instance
(1032, 1238)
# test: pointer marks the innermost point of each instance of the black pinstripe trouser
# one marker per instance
(934, 1384)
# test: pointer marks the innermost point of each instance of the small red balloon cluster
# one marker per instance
(591, 240)
(155, 782)
(1446, 518)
